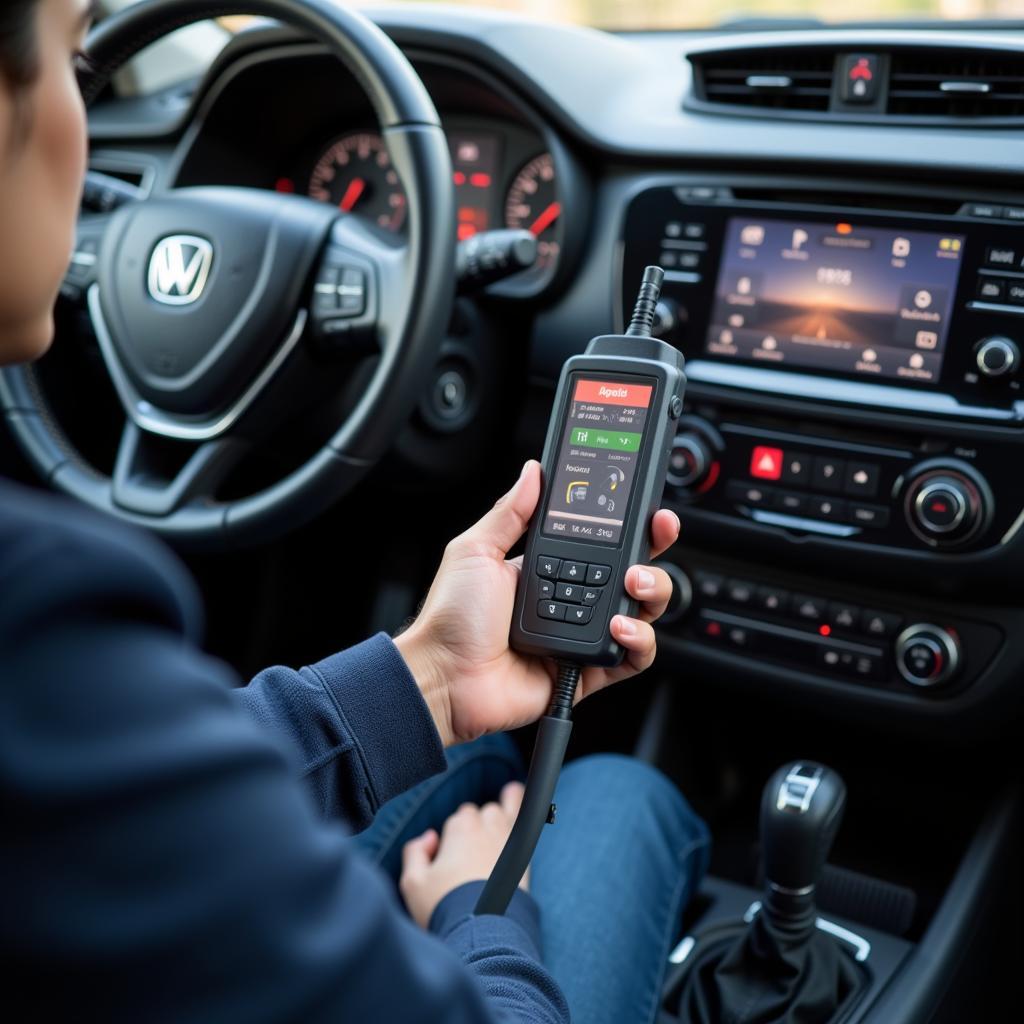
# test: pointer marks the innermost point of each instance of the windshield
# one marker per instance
(667, 14)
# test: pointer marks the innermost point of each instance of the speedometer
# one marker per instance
(532, 203)
(355, 174)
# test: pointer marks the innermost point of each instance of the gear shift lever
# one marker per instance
(801, 811)
(780, 967)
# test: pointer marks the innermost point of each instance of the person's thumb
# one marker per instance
(508, 520)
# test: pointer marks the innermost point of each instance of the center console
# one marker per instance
(853, 427)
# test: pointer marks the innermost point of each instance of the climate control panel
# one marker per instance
(903, 491)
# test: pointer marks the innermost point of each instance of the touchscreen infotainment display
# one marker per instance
(599, 449)
(869, 301)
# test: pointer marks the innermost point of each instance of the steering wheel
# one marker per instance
(210, 306)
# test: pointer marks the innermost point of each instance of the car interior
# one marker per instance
(398, 258)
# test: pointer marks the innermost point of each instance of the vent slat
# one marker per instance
(738, 80)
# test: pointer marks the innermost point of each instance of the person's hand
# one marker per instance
(466, 851)
(457, 649)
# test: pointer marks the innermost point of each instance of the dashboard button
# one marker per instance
(591, 595)
(548, 567)
(598, 574)
(981, 210)
(794, 504)
(869, 515)
(827, 474)
(573, 571)
(552, 610)
(737, 636)
(709, 584)
(1013, 212)
(843, 616)
(571, 592)
(796, 468)
(992, 289)
(740, 591)
(806, 606)
(876, 623)
(546, 589)
(1015, 293)
(766, 463)
(861, 479)
(771, 599)
(832, 509)
(1000, 256)
(750, 494)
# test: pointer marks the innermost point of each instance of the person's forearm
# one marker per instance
(356, 725)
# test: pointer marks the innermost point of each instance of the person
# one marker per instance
(177, 847)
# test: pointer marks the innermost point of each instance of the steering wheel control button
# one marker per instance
(927, 655)
(828, 474)
(548, 567)
(579, 615)
(552, 610)
(997, 356)
(598, 574)
(766, 463)
(573, 571)
(861, 479)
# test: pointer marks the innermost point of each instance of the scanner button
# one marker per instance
(579, 614)
(548, 567)
(571, 592)
(591, 595)
(546, 589)
(575, 572)
(551, 610)
(599, 574)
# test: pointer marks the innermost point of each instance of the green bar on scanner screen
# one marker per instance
(620, 440)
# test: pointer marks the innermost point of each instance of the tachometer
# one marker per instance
(355, 174)
(532, 203)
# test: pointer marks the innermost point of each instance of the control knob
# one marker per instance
(682, 593)
(927, 655)
(690, 461)
(997, 356)
(947, 503)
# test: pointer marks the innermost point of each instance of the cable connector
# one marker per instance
(646, 303)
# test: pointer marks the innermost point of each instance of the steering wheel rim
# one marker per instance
(419, 152)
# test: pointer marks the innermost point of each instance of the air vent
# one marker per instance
(798, 79)
(956, 84)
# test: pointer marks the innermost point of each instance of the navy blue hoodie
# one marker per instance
(175, 848)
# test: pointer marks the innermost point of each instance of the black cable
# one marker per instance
(646, 303)
(553, 732)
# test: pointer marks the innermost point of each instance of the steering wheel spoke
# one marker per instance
(154, 476)
(83, 267)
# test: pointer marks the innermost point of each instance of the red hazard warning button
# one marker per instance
(766, 463)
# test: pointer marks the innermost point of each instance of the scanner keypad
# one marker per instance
(578, 589)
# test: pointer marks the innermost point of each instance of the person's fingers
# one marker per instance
(418, 852)
(512, 798)
(664, 531)
(638, 638)
(652, 587)
(497, 531)
(493, 816)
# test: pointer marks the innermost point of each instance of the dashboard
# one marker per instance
(844, 275)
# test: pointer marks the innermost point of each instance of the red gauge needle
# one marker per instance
(355, 189)
(546, 219)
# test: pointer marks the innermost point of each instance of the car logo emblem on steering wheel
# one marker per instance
(179, 268)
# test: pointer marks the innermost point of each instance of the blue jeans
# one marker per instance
(612, 877)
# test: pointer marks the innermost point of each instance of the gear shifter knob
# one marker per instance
(801, 810)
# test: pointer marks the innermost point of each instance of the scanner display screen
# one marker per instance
(599, 454)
